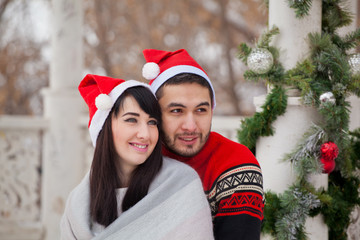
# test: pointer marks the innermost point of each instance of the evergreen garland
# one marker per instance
(276, 102)
(327, 70)
(260, 123)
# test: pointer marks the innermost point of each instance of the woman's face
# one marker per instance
(135, 135)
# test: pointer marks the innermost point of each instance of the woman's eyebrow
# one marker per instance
(131, 113)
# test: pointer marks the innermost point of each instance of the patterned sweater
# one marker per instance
(232, 180)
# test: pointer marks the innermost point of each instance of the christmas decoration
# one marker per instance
(301, 7)
(354, 62)
(260, 60)
(327, 97)
(300, 202)
(329, 151)
(325, 80)
(328, 166)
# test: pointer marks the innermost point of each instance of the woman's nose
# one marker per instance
(143, 131)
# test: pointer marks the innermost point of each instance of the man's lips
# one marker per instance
(188, 140)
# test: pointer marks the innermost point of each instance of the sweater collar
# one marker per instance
(203, 154)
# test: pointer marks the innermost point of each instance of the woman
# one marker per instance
(132, 192)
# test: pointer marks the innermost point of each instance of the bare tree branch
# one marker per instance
(227, 47)
(3, 6)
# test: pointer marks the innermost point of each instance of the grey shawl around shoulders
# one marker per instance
(175, 208)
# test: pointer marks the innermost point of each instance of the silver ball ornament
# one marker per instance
(327, 97)
(354, 62)
(260, 60)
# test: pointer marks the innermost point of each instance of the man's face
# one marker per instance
(186, 116)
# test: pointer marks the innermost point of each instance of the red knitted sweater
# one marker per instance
(232, 180)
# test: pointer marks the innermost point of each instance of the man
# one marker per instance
(230, 174)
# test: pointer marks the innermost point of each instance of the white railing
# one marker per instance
(20, 177)
(227, 126)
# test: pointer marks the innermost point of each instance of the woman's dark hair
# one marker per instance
(104, 177)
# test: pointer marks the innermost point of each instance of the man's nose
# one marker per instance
(189, 123)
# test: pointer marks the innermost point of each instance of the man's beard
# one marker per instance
(186, 150)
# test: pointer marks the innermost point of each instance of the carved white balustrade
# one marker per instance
(20, 177)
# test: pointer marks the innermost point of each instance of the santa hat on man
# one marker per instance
(100, 93)
(162, 65)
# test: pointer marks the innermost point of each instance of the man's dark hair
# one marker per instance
(186, 78)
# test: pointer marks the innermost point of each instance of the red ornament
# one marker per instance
(328, 166)
(329, 151)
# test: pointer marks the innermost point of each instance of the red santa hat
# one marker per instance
(162, 65)
(100, 93)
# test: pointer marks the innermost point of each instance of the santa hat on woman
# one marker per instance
(162, 65)
(100, 93)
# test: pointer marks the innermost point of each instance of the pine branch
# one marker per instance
(296, 204)
(319, 42)
(354, 85)
(301, 77)
(351, 40)
(271, 211)
(260, 124)
(302, 7)
(334, 16)
(305, 158)
(265, 39)
(244, 52)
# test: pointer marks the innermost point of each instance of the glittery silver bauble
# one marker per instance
(354, 62)
(327, 97)
(260, 60)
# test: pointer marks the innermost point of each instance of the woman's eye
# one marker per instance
(131, 120)
(152, 122)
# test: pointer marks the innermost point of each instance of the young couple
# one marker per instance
(138, 186)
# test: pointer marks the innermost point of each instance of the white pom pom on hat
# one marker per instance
(150, 70)
(103, 102)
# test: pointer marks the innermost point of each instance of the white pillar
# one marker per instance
(290, 128)
(354, 100)
(353, 230)
(63, 106)
(292, 40)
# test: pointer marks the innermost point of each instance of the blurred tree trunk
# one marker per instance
(102, 30)
(226, 35)
(3, 6)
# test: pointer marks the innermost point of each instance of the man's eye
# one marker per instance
(152, 122)
(131, 120)
(175, 111)
(201, 110)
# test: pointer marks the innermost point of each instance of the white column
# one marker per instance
(292, 40)
(63, 107)
(290, 128)
(354, 100)
(353, 230)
